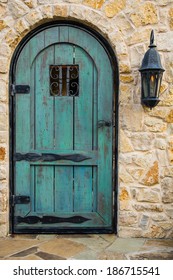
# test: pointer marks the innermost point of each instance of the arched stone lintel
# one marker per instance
(79, 13)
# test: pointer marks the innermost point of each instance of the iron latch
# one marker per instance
(103, 123)
(20, 199)
(19, 89)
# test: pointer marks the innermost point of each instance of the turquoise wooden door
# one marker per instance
(63, 134)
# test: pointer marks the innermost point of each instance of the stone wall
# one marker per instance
(145, 187)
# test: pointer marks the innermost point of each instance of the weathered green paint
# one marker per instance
(64, 105)
(44, 113)
(64, 125)
(63, 189)
(83, 189)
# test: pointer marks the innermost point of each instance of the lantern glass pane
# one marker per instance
(159, 83)
(145, 87)
(153, 84)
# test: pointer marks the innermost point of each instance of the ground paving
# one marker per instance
(84, 247)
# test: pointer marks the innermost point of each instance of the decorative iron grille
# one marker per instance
(64, 80)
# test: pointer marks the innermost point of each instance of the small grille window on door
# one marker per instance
(64, 80)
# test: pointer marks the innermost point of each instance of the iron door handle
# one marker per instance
(103, 123)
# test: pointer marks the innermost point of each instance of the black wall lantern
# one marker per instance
(151, 75)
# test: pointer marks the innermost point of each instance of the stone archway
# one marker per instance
(25, 20)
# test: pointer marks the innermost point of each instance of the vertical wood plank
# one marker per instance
(64, 34)
(23, 102)
(83, 189)
(37, 45)
(95, 109)
(105, 90)
(63, 189)
(32, 187)
(22, 186)
(64, 123)
(63, 105)
(83, 121)
(32, 108)
(44, 102)
(44, 189)
(94, 188)
(51, 36)
(63, 54)
(22, 132)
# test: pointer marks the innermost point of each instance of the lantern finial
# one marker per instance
(152, 45)
(152, 37)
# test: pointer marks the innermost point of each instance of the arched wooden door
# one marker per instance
(62, 156)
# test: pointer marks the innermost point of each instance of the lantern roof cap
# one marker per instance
(151, 60)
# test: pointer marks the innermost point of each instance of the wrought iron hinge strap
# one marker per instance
(49, 157)
(21, 89)
(50, 219)
(19, 199)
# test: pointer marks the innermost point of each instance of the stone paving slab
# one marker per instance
(30, 257)
(111, 256)
(46, 256)
(33, 257)
(26, 252)
(158, 243)
(108, 237)
(46, 237)
(75, 236)
(158, 255)
(93, 242)
(86, 255)
(62, 247)
(22, 236)
(12, 246)
(84, 247)
(125, 245)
